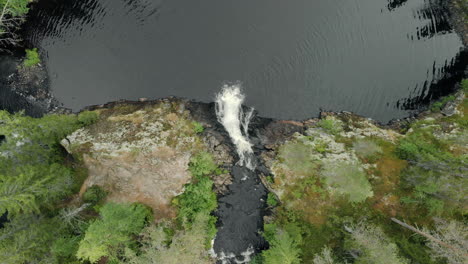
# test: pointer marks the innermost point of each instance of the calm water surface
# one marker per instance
(374, 57)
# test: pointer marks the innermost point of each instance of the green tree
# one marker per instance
(113, 231)
(373, 245)
(33, 186)
(94, 195)
(185, 246)
(12, 14)
(284, 249)
(325, 257)
(27, 239)
(199, 197)
(32, 174)
(450, 241)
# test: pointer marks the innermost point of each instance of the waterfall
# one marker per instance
(240, 212)
(231, 115)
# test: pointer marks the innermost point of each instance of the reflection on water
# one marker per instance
(378, 58)
(392, 4)
(430, 91)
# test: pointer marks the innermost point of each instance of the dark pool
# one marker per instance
(378, 58)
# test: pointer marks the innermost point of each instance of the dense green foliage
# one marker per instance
(284, 244)
(113, 231)
(187, 239)
(433, 177)
(283, 250)
(464, 83)
(32, 58)
(32, 170)
(27, 238)
(48, 225)
(15, 7)
(94, 195)
(183, 246)
(373, 245)
(272, 200)
(12, 15)
(34, 179)
(199, 197)
(87, 117)
(12, 9)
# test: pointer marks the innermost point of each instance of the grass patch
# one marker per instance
(331, 125)
(32, 58)
(197, 127)
(271, 200)
(88, 117)
(439, 105)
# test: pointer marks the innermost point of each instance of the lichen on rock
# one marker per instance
(139, 152)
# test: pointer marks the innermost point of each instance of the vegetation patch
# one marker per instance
(197, 127)
(341, 189)
(94, 195)
(347, 179)
(113, 231)
(32, 58)
(440, 104)
(35, 182)
(331, 125)
(199, 197)
(367, 149)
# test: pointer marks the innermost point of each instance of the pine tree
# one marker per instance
(373, 245)
(452, 241)
(113, 231)
(325, 257)
(284, 249)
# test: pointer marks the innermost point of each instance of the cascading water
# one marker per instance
(230, 113)
(240, 212)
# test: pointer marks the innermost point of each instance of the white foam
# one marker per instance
(231, 258)
(231, 116)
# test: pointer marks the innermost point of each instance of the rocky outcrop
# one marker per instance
(140, 152)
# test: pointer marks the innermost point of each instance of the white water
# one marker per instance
(231, 258)
(231, 116)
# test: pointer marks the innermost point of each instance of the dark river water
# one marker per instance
(377, 58)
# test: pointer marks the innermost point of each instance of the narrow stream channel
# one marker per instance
(240, 212)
